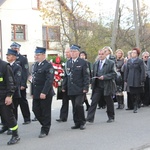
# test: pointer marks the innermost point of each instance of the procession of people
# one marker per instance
(108, 77)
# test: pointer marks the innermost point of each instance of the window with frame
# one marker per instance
(50, 34)
(35, 4)
(18, 32)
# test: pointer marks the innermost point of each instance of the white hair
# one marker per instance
(109, 48)
(145, 53)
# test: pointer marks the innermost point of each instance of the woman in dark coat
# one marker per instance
(135, 76)
(119, 78)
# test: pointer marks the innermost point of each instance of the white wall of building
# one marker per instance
(21, 12)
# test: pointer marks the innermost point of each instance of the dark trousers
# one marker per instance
(15, 110)
(145, 98)
(24, 106)
(7, 116)
(65, 106)
(86, 101)
(129, 100)
(135, 99)
(14, 106)
(42, 111)
(98, 93)
(78, 109)
(101, 102)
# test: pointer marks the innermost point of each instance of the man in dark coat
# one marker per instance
(11, 58)
(23, 62)
(103, 84)
(77, 82)
(7, 88)
(64, 96)
(16, 68)
(42, 90)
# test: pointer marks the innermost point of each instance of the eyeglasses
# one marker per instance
(146, 56)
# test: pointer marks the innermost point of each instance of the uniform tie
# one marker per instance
(73, 62)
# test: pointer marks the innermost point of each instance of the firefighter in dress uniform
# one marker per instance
(42, 90)
(7, 89)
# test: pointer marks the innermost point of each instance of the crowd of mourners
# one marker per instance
(110, 76)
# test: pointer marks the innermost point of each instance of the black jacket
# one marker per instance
(76, 77)
(109, 74)
(16, 68)
(7, 82)
(135, 73)
(23, 62)
(42, 81)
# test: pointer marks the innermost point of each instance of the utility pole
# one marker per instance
(137, 23)
(115, 27)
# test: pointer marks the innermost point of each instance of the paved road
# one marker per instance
(129, 132)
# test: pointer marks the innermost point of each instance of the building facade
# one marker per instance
(20, 22)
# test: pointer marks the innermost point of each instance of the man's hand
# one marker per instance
(85, 91)
(8, 100)
(101, 78)
(63, 90)
(42, 96)
(22, 88)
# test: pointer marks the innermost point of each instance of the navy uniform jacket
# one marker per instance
(7, 83)
(23, 62)
(16, 68)
(76, 77)
(42, 81)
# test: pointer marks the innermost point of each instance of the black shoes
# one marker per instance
(26, 122)
(61, 120)
(42, 135)
(103, 107)
(90, 121)
(110, 120)
(129, 109)
(81, 127)
(135, 109)
(75, 127)
(34, 119)
(14, 140)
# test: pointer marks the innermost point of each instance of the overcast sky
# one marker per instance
(109, 6)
